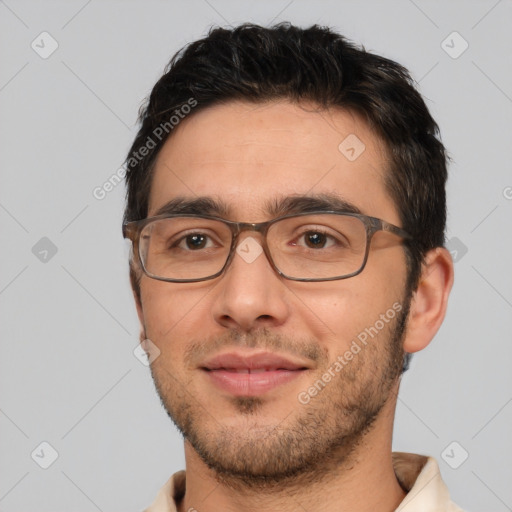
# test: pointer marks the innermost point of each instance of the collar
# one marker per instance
(419, 476)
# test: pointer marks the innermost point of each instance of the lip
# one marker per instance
(242, 374)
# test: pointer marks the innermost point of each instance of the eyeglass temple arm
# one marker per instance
(386, 226)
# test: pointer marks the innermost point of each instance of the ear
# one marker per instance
(430, 300)
(135, 278)
(140, 313)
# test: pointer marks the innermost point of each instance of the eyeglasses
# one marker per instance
(311, 246)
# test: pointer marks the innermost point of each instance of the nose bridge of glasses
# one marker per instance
(256, 245)
(254, 227)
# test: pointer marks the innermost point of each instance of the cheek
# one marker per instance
(383, 295)
(333, 312)
(337, 312)
(172, 313)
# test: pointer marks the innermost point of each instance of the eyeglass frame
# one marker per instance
(133, 229)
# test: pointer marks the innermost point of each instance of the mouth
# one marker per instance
(252, 374)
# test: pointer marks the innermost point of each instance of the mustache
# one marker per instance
(263, 338)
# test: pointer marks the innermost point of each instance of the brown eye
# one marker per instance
(315, 239)
(196, 241)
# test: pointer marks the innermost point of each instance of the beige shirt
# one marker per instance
(418, 474)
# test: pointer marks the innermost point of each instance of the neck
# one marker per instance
(344, 487)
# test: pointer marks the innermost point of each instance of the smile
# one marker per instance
(250, 373)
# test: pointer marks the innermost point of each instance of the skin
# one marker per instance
(327, 454)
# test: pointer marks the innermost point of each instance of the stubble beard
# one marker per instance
(313, 440)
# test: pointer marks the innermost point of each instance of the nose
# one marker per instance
(250, 294)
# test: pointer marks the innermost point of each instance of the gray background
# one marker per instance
(68, 375)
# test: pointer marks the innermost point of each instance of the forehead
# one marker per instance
(248, 155)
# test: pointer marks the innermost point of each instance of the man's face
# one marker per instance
(249, 425)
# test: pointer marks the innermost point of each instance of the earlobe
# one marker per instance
(430, 300)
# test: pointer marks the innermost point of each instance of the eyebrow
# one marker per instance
(197, 206)
(308, 203)
(276, 207)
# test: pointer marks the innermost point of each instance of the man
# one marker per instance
(286, 204)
